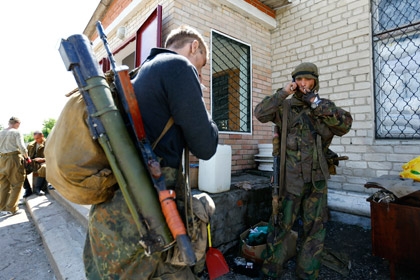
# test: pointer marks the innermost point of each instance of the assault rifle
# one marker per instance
(276, 192)
(333, 160)
(279, 164)
(139, 177)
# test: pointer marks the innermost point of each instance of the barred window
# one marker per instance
(396, 54)
(231, 84)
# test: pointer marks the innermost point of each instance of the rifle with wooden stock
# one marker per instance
(279, 163)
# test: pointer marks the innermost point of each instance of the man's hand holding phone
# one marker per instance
(290, 88)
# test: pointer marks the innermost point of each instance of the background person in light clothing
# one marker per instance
(12, 172)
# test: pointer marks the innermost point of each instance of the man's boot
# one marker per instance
(38, 183)
(27, 187)
(44, 187)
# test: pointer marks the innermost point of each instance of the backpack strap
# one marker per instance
(168, 125)
(187, 193)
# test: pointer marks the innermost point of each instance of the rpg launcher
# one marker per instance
(166, 197)
(141, 182)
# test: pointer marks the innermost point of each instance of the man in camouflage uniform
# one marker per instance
(312, 123)
(167, 85)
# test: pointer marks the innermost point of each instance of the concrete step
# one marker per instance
(79, 212)
(62, 227)
(63, 224)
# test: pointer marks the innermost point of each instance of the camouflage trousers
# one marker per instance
(311, 206)
(112, 249)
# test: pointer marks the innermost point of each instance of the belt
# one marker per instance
(9, 154)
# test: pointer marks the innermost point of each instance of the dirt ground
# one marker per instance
(25, 258)
(350, 244)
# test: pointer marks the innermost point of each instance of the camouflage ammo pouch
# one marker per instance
(77, 165)
(203, 208)
(290, 243)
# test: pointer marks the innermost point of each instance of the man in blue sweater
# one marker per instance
(167, 85)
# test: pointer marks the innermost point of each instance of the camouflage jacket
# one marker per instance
(33, 152)
(309, 132)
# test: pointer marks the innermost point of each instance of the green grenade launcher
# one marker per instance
(138, 174)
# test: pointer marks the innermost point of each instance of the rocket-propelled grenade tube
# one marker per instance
(109, 128)
(127, 96)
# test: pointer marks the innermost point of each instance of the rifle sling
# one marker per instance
(283, 146)
(187, 193)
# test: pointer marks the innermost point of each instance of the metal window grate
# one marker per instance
(231, 84)
(396, 54)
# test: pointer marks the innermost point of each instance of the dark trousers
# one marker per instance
(39, 184)
(26, 184)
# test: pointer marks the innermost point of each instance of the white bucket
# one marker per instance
(214, 175)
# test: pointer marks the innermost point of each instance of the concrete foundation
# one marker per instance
(245, 204)
(249, 202)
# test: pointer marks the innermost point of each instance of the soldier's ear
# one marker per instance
(194, 46)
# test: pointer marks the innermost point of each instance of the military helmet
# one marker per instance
(307, 70)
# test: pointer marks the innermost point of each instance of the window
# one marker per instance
(149, 35)
(231, 84)
(396, 54)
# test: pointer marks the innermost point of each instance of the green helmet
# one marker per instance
(307, 70)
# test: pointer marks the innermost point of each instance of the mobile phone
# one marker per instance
(293, 81)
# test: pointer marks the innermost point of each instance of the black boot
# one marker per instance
(39, 192)
(44, 186)
(27, 187)
(28, 193)
(38, 184)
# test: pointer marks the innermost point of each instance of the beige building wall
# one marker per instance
(206, 16)
(334, 34)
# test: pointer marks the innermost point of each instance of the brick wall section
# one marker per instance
(336, 35)
(231, 23)
(333, 34)
(112, 13)
(205, 16)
